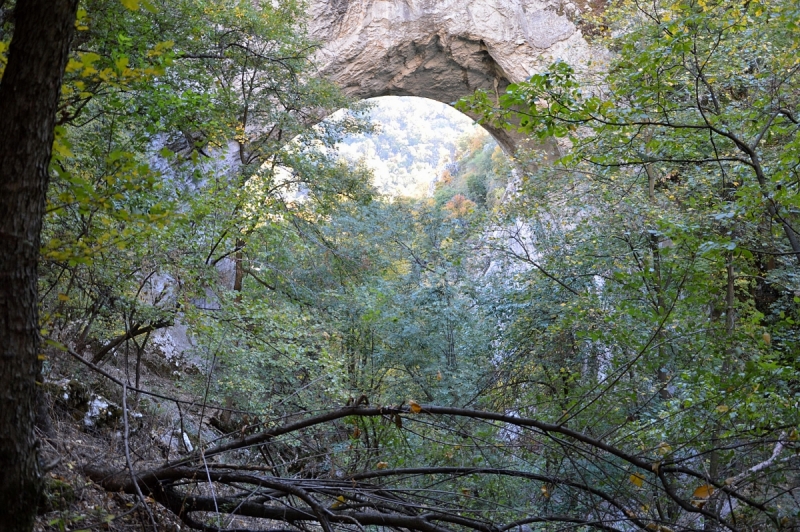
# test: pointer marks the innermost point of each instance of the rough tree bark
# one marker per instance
(29, 93)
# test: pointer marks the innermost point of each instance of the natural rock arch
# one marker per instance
(442, 49)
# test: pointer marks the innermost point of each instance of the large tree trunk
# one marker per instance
(29, 93)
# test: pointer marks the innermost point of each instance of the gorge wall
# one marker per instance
(444, 49)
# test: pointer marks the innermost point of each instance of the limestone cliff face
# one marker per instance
(441, 49)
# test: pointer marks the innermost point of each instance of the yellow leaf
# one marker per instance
(89, 58)
(73, 65)
(703, 492)
(664, 448)
(414, 406)
(133, 5)
(340, 500)
(63, 297)
(637, 480)
(545, 492)
(60, 148)
(767, 338)
(149, 6)
(722, 409)
(382, 465)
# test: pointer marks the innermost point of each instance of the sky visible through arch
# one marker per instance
(414, 141)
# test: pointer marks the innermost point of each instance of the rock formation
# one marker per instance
(443, 49)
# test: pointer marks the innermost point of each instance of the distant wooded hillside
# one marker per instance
(413, 142)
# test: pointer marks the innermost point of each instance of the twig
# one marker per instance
(128, 457)
(211, 486)
(132, 333)
(113, 379)
(776, 451)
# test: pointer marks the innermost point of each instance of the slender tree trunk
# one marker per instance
(714, 468)
(661, 307)
(29, 93)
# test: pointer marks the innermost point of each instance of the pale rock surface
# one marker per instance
(443, 49)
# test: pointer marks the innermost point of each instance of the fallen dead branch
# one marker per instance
(200, 483)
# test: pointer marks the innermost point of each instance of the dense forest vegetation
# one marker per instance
(419, 148)
(242, 332)
(411, 142)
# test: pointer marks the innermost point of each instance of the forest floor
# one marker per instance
(87, 429)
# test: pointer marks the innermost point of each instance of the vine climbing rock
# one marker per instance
(445, 49)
